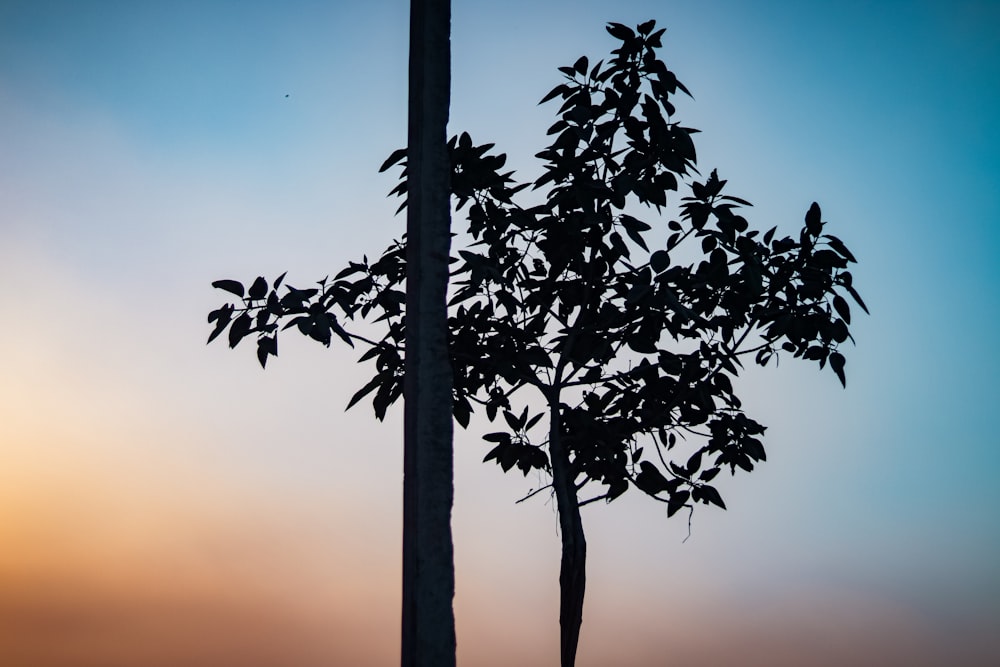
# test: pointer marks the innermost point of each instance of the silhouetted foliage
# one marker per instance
(630, 330)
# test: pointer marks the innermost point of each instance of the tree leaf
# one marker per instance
(534, 420)
(659, 261)
(857, 297)
(393, 158)
(650, 479)
(619, 31)
(837, 361)
(768, 235)
(259, 289)
(222, 317)
(616, 487)
(742, 202)
(676, 501)
(364, 391)
(507, 458)
(813, 223)
(239, 329)
(694, 463)
(754, 449)
(839, 246)
(708, 475)
(561, 89)
(844, 310)
(266, 345)
(710, 495)
(495, 452)
(462, 411)
(231, 286)
(634, 229)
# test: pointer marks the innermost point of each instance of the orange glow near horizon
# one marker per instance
(122, 549)
(90, 575)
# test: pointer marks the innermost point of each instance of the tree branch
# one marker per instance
(534, 493)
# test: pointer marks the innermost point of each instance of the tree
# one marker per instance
(428, 619)
(629, 336)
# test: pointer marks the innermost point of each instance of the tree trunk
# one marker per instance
(428, 620)
(573, 566)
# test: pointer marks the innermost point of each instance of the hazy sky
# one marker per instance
(166, 503)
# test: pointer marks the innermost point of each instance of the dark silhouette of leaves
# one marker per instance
(232, 286)
(258, 290)
(630, 330)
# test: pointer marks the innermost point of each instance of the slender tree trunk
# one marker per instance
(573, 566)
(428, 620)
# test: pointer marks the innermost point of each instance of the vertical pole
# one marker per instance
(428, 621)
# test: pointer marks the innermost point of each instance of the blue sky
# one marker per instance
(147, 149)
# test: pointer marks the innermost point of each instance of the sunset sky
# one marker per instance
(164, 502)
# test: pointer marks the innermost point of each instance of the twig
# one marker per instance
(533, 493)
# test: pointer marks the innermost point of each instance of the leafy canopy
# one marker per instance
(628, 307)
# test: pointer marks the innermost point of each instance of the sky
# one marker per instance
(164, 502)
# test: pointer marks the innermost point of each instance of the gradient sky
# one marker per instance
(166, 503)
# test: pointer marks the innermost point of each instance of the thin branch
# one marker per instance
(690, 514)
(592, 500)
(693, 431)
(372, 343)
(534, 493)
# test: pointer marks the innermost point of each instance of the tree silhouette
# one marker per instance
(628, 336)
(428, 618)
